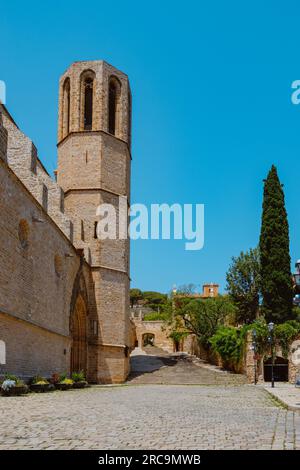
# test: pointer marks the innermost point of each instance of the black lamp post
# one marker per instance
(254, 346)
(271, 341)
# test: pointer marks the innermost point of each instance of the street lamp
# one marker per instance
(271, 341)
(254, 346)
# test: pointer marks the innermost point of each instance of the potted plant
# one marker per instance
(79, 380)
(40, 384)
(13, 386)
(63, 382)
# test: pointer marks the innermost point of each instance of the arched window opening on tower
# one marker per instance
(114, 95)
(88, 103)
(66, 107)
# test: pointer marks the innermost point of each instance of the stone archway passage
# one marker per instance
(148, 339)
(79, 336)
(281, 369)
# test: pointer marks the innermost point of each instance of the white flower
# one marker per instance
(8, 384)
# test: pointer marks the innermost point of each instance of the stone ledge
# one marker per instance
(287, 394)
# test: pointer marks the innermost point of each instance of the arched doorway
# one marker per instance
(281, 369)
(148, 339)
(177, 345)
(78, 329)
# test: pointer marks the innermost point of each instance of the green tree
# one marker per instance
(203, 316)
(186, 289)
(276, 279)
(135, 295)
(155, 300)
(243, 284)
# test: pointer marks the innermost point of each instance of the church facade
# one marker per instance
(64, 294)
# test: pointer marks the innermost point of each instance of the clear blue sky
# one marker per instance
(211, 86)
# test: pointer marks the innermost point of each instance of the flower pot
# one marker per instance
(40, 388)
(81, 384)
(15, 391)
(62, 386)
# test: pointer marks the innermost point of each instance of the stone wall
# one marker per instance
(250, 363)
(22, 158)
(3, 140)
(34, 298)
(158, 329)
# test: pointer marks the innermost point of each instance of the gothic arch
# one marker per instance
(66, 108)
(114, 106)
(87, 100)
(79, 325)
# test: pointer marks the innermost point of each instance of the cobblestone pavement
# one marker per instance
(148, 417)
(159, 408)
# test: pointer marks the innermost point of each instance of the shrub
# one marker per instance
(62, 377)
(229, 343)
(66, 381)
(12, 377)
(285, 334)
(177, 336)
(78, 376)
(155, 316)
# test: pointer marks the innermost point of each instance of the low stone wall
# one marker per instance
(156, 328)
(252, 366)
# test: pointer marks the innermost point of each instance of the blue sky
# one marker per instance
(212, 110)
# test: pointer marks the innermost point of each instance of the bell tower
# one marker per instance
(94, 134)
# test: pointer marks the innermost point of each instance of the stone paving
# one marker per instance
(174, 369)
(151, 416)
(286, 393)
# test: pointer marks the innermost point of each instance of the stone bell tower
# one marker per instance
(94, 133)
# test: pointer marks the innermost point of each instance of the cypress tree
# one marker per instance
(276, 279)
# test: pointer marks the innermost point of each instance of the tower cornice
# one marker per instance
(99, 132)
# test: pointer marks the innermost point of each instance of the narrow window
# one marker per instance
(62, 201)
(33, 158)
(66, 107)
(112, 111)
(95, 229)
(45, 197)
(82, 231)
(114, 107)
(88, 104)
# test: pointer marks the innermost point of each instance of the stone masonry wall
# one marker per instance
(34, 297)
(22, 158)
(3, 140)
